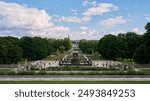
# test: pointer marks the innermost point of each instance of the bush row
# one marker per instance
(131, 72)
(78, 69)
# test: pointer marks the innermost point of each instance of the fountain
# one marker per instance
(75, 59)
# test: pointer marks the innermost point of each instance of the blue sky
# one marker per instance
(88, 19)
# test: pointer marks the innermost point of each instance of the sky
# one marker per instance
(80, 19)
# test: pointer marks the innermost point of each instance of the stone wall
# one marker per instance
(8, 65)
(105, 64)
(142, 66)
(44, 64)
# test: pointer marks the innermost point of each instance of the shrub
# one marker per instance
(131, 72)
(34, 68)
(12, 73)
(78, 69)
(41, 73)
(26, 73)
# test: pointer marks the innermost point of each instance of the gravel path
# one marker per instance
(75, 77)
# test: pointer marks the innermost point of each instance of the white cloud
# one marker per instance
(21, 20)
(114, 21)
(86, 34)
(70, 19)
(86, 19)
(87, 3)
(74, 19)
(15, 15)
(18, 20)
(74, 11)
(55, 15)
(147, 18)
(100, 9)
(137, 30)
(53, 32)
(117, 32)
(83, 28)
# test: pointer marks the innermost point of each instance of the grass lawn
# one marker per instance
(74, 82)
(98, 57)
(5, 70)
(127, 62)
(145, 70)
(55, 57)
(76, 49)
(95, 57)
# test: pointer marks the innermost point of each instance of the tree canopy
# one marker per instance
(13, 50)
(107, 46)
(88, 46)
(10, 52)
(142, 53)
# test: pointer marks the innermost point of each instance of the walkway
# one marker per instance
(75, 78)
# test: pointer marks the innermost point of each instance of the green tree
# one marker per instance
(89, 50)
(142, 55)
(34, 48)
(88, 46)
(82, 45)
(107, 46)
(122, 46)
(11, 39)
(52, 46)
(147, 35)
(133, 41)
(67, 44)
(55, 44)
(9, 52)
(14, 54)
(62, 49)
